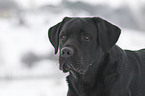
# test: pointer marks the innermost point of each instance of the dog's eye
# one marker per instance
(86, 38)
(63, 37)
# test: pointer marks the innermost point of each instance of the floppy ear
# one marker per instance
(108, 34)
(53, 34)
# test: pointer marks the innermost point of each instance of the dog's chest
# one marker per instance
(83, 88)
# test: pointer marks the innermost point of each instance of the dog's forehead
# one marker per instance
(77, 24)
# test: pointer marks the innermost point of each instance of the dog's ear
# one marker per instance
(53, 33)
(108, 34)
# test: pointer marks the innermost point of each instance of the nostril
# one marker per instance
(62, 52)
(68, 53)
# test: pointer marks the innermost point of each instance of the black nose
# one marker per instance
(67, 52)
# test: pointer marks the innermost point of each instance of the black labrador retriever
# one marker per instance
(96, 65)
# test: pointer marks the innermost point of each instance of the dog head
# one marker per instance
(79, 41)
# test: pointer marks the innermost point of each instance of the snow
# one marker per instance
(26, 4)
(113, 3)
(33, 88)
(132, 39)
(45, 79)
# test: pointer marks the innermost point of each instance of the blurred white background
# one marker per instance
(28, 66)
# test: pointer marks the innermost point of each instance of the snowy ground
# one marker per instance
(16, 80)
(44, 79)
(44, 87)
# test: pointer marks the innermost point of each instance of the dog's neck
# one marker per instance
(95, 70)
(88, 79)
(98, 66)
(94, 76)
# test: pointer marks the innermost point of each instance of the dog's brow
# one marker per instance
(83, 32)
(62, 32)
(66, 32)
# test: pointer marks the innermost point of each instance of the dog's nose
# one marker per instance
(67, 52)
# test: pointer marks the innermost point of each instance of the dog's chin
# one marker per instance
(65, 70)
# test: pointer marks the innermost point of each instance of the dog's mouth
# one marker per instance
(65, 68)
(68, 67)
(75, 63)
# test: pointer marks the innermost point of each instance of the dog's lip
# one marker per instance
(76, 69)
(69, 67)
(65, 68)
